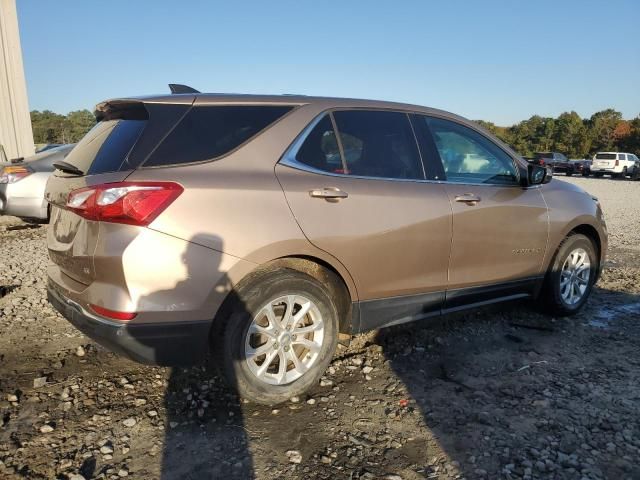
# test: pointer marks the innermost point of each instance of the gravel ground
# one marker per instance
(505, 393)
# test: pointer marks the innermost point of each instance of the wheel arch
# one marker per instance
(317, 268)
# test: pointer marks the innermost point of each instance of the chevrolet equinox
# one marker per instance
(258, 229)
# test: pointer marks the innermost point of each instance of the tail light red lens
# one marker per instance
(12, 174)
(132, 203)
(105, 312)
(617, 162)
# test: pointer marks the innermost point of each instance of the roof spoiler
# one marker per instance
(178, 88)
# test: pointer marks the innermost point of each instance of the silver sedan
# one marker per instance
(22, 184)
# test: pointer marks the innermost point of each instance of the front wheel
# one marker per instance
(280, 336)
(571, 276)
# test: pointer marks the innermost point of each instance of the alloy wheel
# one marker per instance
(284, 339)
(575, 276)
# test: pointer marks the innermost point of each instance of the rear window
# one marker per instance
(605, 156)
(106, 146)
(206, 133)
(543, 155)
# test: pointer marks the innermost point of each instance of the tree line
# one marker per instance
(570, 134)
(51, 127)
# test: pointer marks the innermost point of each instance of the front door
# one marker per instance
(500, 228)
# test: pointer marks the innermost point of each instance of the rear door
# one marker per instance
(356, 185)
(108, 153)
(500, 229)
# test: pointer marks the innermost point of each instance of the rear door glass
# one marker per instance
(378, 144)
(206, 133)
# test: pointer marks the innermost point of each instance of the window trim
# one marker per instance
(288, 158)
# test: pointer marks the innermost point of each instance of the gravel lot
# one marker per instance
(505, 393)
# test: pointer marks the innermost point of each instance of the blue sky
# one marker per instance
(497, 60)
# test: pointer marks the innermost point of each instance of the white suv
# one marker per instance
(616, 164)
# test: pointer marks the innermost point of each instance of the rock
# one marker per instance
(294, 456)
(80, 351)
(325, 382)
(129, 422)
(12, 398)
(326, 460)
(295, 399)
(46, 428)
(123, 473)
(106, 449)
(153, 413)
(39, 382)
(138, 402)
(311, 401)
(392, 476)
(76, 476)
(367, 370)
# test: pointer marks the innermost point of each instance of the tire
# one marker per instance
(585, 173)
(569, 173)
(247, 311)
(598, 175)
(636, 174)
(554, 301)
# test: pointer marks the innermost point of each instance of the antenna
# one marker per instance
(178, 88)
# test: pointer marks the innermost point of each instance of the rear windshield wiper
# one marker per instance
(66, 167)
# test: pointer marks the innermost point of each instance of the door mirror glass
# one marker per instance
(539, 174)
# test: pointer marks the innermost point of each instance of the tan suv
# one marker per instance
(259, 228)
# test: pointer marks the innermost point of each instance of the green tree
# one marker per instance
(571, 135)
(602, 127)
(80, 122)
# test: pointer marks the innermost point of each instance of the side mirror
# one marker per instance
(539, 174)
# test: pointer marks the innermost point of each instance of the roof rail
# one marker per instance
(178, 88)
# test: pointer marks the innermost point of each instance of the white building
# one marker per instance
(16, 136)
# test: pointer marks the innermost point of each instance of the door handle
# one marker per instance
(468, 198)
(328, 193)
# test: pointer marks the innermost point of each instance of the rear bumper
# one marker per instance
(166, 344)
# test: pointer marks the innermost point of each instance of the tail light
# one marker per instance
(617, 162)
(132, 203)
(105, 312)
(12, 174)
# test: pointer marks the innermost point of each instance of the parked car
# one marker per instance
(23, 181)
(48, 146)
(558, 161)
(581, 166)
(616, 164)
(236, 226)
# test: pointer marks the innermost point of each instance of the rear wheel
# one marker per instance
(598, 175)
(571, 276)
(280, 336)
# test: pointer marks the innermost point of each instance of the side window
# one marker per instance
(205, 133)
(320, 148)
(378, 144)
(621, 156)
(469, 157)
